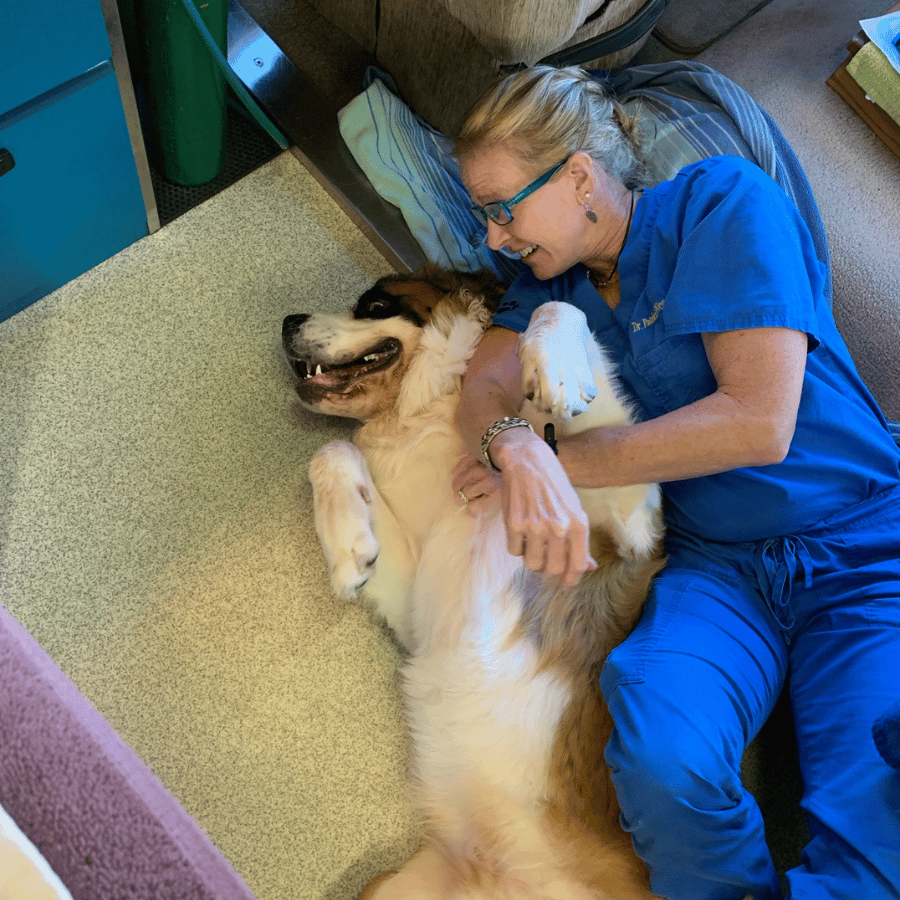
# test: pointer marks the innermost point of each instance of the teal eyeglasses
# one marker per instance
(500, 211)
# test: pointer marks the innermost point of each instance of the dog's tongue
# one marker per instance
(341, 377)
(334, 378)
(338, 376)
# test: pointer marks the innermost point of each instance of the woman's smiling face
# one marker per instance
(547, 230)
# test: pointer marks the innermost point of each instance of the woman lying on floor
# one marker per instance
(782, 485)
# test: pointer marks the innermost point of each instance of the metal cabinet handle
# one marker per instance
(6, 161)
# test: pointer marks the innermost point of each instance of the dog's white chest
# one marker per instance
(483, 717)
(487, 728)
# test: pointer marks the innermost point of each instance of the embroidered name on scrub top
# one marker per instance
(646, 323)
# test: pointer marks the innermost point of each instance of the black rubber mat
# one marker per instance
(247, 147)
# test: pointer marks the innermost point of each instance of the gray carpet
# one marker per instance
(690, 26)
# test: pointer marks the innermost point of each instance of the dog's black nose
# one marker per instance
(291, 324)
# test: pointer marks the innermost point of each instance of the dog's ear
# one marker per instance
(418, 293)
(483, 283)
(420, 297)
(487, 286)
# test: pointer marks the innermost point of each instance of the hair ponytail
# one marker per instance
(544, 115)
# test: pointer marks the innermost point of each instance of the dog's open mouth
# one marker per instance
(341, 376)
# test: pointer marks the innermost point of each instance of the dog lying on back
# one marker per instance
(501, 687)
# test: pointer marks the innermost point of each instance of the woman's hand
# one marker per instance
(475, 484)
(545, 522)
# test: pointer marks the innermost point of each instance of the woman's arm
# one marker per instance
(545, 523)
(748, 421)
(492, 387)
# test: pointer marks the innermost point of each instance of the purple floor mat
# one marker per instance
(101, 819)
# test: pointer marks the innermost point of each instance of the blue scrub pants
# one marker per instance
(724, 627)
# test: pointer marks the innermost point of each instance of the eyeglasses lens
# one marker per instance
(499, 213)
(496, 212)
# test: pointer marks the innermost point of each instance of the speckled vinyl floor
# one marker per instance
(157, 536)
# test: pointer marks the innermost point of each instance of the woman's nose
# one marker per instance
(497, 235)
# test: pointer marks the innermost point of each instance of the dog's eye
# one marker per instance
(377, 303)
(374, 308)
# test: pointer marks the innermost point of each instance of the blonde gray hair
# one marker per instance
(544, 115)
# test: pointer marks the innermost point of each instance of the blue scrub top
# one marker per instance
(721, 247)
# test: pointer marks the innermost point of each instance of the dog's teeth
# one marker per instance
(318, 370)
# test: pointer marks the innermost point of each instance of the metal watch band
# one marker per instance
(494, 430)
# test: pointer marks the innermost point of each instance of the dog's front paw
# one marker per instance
(556, 370)
(342, 497)
(351, 562)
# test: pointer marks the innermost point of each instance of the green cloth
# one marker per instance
(873, 72)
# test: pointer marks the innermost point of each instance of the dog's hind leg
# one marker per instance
(427, 876)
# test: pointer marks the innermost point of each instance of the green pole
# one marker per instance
(185, 89)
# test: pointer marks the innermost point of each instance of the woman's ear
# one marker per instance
(580, 168)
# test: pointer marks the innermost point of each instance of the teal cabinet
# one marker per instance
(46, 45)
(70, 193)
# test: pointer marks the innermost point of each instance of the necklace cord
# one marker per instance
(603, 281)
